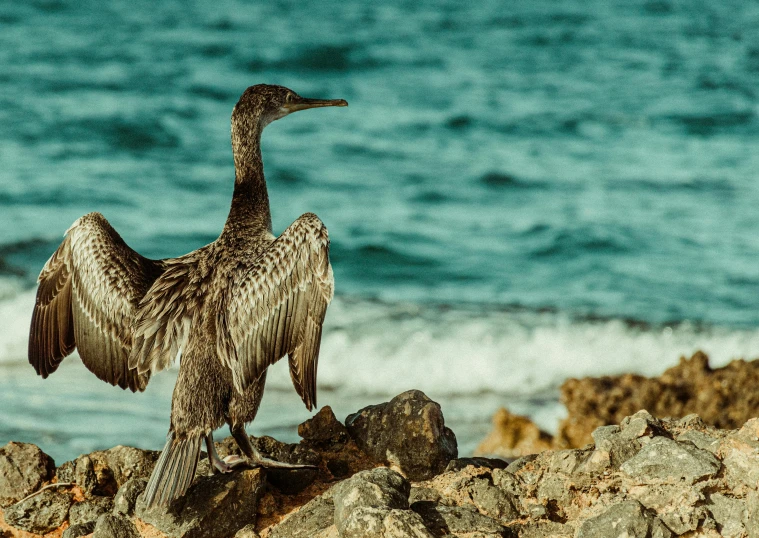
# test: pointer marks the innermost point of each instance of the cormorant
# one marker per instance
(229, 309)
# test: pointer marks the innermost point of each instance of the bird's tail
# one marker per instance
(174, 471)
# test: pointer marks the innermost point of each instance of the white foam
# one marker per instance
(376, 348)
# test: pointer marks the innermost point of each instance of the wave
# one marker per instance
(373, 347)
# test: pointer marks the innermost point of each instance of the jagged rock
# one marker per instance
(513, 436)
(248, 531)
(408, 433)
(544, 529)
(445, 520)
(126, 498)
(42, 513)
(105, 471)
(323, 428)
(487, 463)
(370, 522)
(82, 529)
(626, 519)
(313, 518)
(729, 513)
(690, 387)
(89, 510)
(115, 526)
(377, 488)
(213, 507)
(664, 458)
(24, 468)
(493, 501)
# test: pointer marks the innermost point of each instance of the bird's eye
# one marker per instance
(289, 98)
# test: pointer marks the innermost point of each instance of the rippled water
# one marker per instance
(517, 193)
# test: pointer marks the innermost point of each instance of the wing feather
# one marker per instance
(275, 306)
(88, 291)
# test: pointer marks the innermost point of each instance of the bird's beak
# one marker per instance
(303, 103)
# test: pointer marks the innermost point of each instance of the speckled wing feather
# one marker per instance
(88, 291)
(162, 323)
(275, 307)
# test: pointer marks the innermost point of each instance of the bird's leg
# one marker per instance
(217, 464)
(254, 456)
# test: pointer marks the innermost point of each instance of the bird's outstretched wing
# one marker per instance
(164, 316)
(275, 306)
(88, 292)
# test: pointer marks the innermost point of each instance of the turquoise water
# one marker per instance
(519, 192)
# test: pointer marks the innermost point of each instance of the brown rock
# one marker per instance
(513, 436)
(23, 469)
(723, 397)
(323, 427)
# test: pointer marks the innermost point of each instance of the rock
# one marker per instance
(487, 463)
(377, 488)
(314, 517)
(40, 514)
(407, 433)
(89, 509)
(513, 436)
(24, 468)
(82, 529)
(664, 458)
(323, 428)
(688, 388)
(729, 513)
(493, 501)
(105, 471)
(213, 507)
(126, 498)
(248, 531)
(369, 522)
(115, 526)
(544, 529)
(627, 519)
(444, 520)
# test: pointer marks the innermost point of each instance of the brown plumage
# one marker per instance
(227, 311)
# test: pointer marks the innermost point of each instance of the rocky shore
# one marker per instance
(392, 470)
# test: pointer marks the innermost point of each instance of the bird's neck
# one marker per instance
(250, 201)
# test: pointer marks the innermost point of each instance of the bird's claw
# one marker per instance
(274, 464)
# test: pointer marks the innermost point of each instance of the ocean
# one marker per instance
(519, 192)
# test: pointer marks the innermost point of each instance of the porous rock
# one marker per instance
(313, 518)
(627, 518)
(126, 498)
(407, 433)
(214, 506)
(24, 468)
(41, 513)
(89, 509)
(370, 522)
(445, 520)
(115, 526)
(665, 458)
(82, 529)
(379, 488)
(323, 428)
(103, 472)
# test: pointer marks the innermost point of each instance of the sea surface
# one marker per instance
(519, 192)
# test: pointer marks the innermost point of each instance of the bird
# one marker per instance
(225, 312)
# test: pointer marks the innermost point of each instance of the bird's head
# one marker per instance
(261, 104)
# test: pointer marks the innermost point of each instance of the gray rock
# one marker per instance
(516, 465)
(507, 482)
(752, 514)
(408, 433)
(115, 526)
(89, 509)
(543, 529)
(314, 517)
(444, 520)
(376, 488)
(85, 476)
(619, 446)
(423, 494)
(664, 458)
(40, 514)
(82, 529)
(23, 470)
(627, 519)
(323, 428)
(700, 439)
(213, 507)
(371, 522)
(729, 513)
(493, 501)
(126, 498)
(642, 424)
